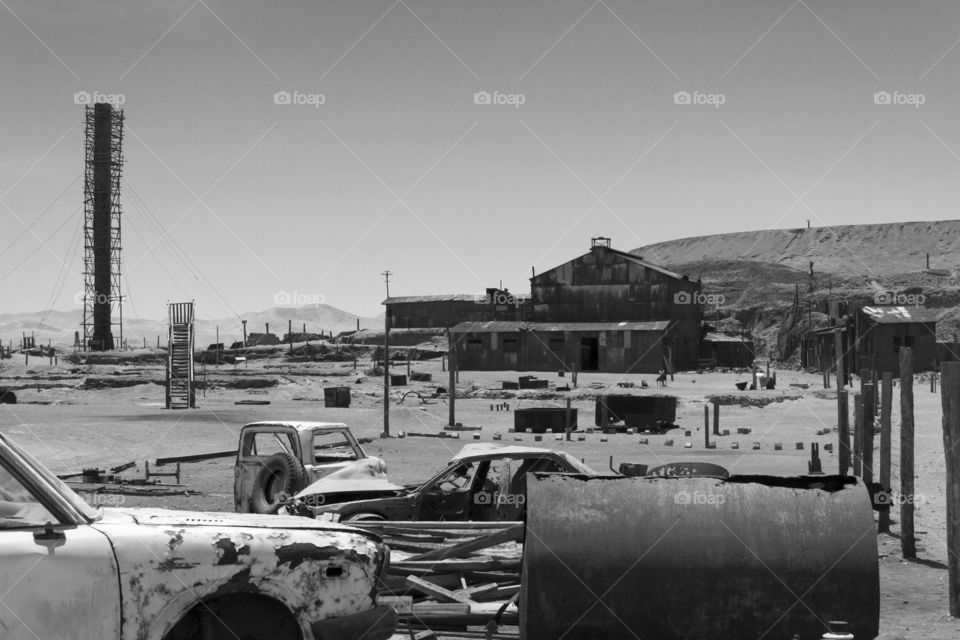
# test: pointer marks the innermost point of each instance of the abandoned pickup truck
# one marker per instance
(277, 459)
(72, 572)
(481, 482)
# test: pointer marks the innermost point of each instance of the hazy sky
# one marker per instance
(388, 162)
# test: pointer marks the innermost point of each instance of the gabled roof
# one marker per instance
(629, 257)
(511, 326)
(892, 315)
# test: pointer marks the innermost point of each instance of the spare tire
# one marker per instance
(281, 474)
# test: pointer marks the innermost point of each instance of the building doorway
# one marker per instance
(589, 354)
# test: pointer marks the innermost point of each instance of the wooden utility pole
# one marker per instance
(452, 368)
(950, 399)
(386, 362)
(886, 404)
(908, 543)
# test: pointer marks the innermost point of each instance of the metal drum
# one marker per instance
(691, 558)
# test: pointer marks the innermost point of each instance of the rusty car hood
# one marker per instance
(172, 518)
(359, 475)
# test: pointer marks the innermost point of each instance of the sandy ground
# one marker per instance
(69, 428)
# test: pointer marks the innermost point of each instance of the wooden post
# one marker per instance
(706, 427)
(452, 391)
(604, 413)
(408, 365)
(908, 543)
(933, 381)
(886, 404)
(290, 335)
(716, 417)
(218, 352)
(567, 429)
(868, 414)
(950, 399)
(386, 374)
(857, 434)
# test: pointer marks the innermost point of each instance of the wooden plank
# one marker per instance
(445, 566)
(513, 534)
(196, 457)
(438, 592)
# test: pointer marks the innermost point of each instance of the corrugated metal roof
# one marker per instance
(507, 326)
(449, 297)
(890, 315)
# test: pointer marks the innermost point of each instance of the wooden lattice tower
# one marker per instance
(103, 166)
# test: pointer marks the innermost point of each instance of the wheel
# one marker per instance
(281, 474)
(363, 517)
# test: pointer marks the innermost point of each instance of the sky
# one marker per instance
(291, 152)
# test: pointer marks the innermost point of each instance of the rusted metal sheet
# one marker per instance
(168, 563)
(673, 558)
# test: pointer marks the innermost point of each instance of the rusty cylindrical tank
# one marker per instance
(672, 558)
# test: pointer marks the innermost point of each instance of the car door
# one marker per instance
(58, 575)
(448, 496)
(256, 445)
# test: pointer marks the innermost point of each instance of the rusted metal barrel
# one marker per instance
(684, 558)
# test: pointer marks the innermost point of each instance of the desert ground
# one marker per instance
(74, 416)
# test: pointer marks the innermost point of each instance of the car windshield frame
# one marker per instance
(51, 487)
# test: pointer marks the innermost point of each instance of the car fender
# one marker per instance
(166, 570)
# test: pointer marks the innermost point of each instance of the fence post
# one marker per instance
(886, 403)
(843, 431)
(867, 415)
(950, 399)
(908, 543)
(857, 434)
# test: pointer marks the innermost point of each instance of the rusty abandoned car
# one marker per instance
(277, 459)
(72, 572)
(481, 482)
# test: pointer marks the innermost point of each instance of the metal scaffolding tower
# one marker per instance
(103, 161)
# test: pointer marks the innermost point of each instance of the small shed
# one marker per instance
(882, 330)
(725, 350)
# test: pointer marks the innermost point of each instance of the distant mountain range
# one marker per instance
(58, 327)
